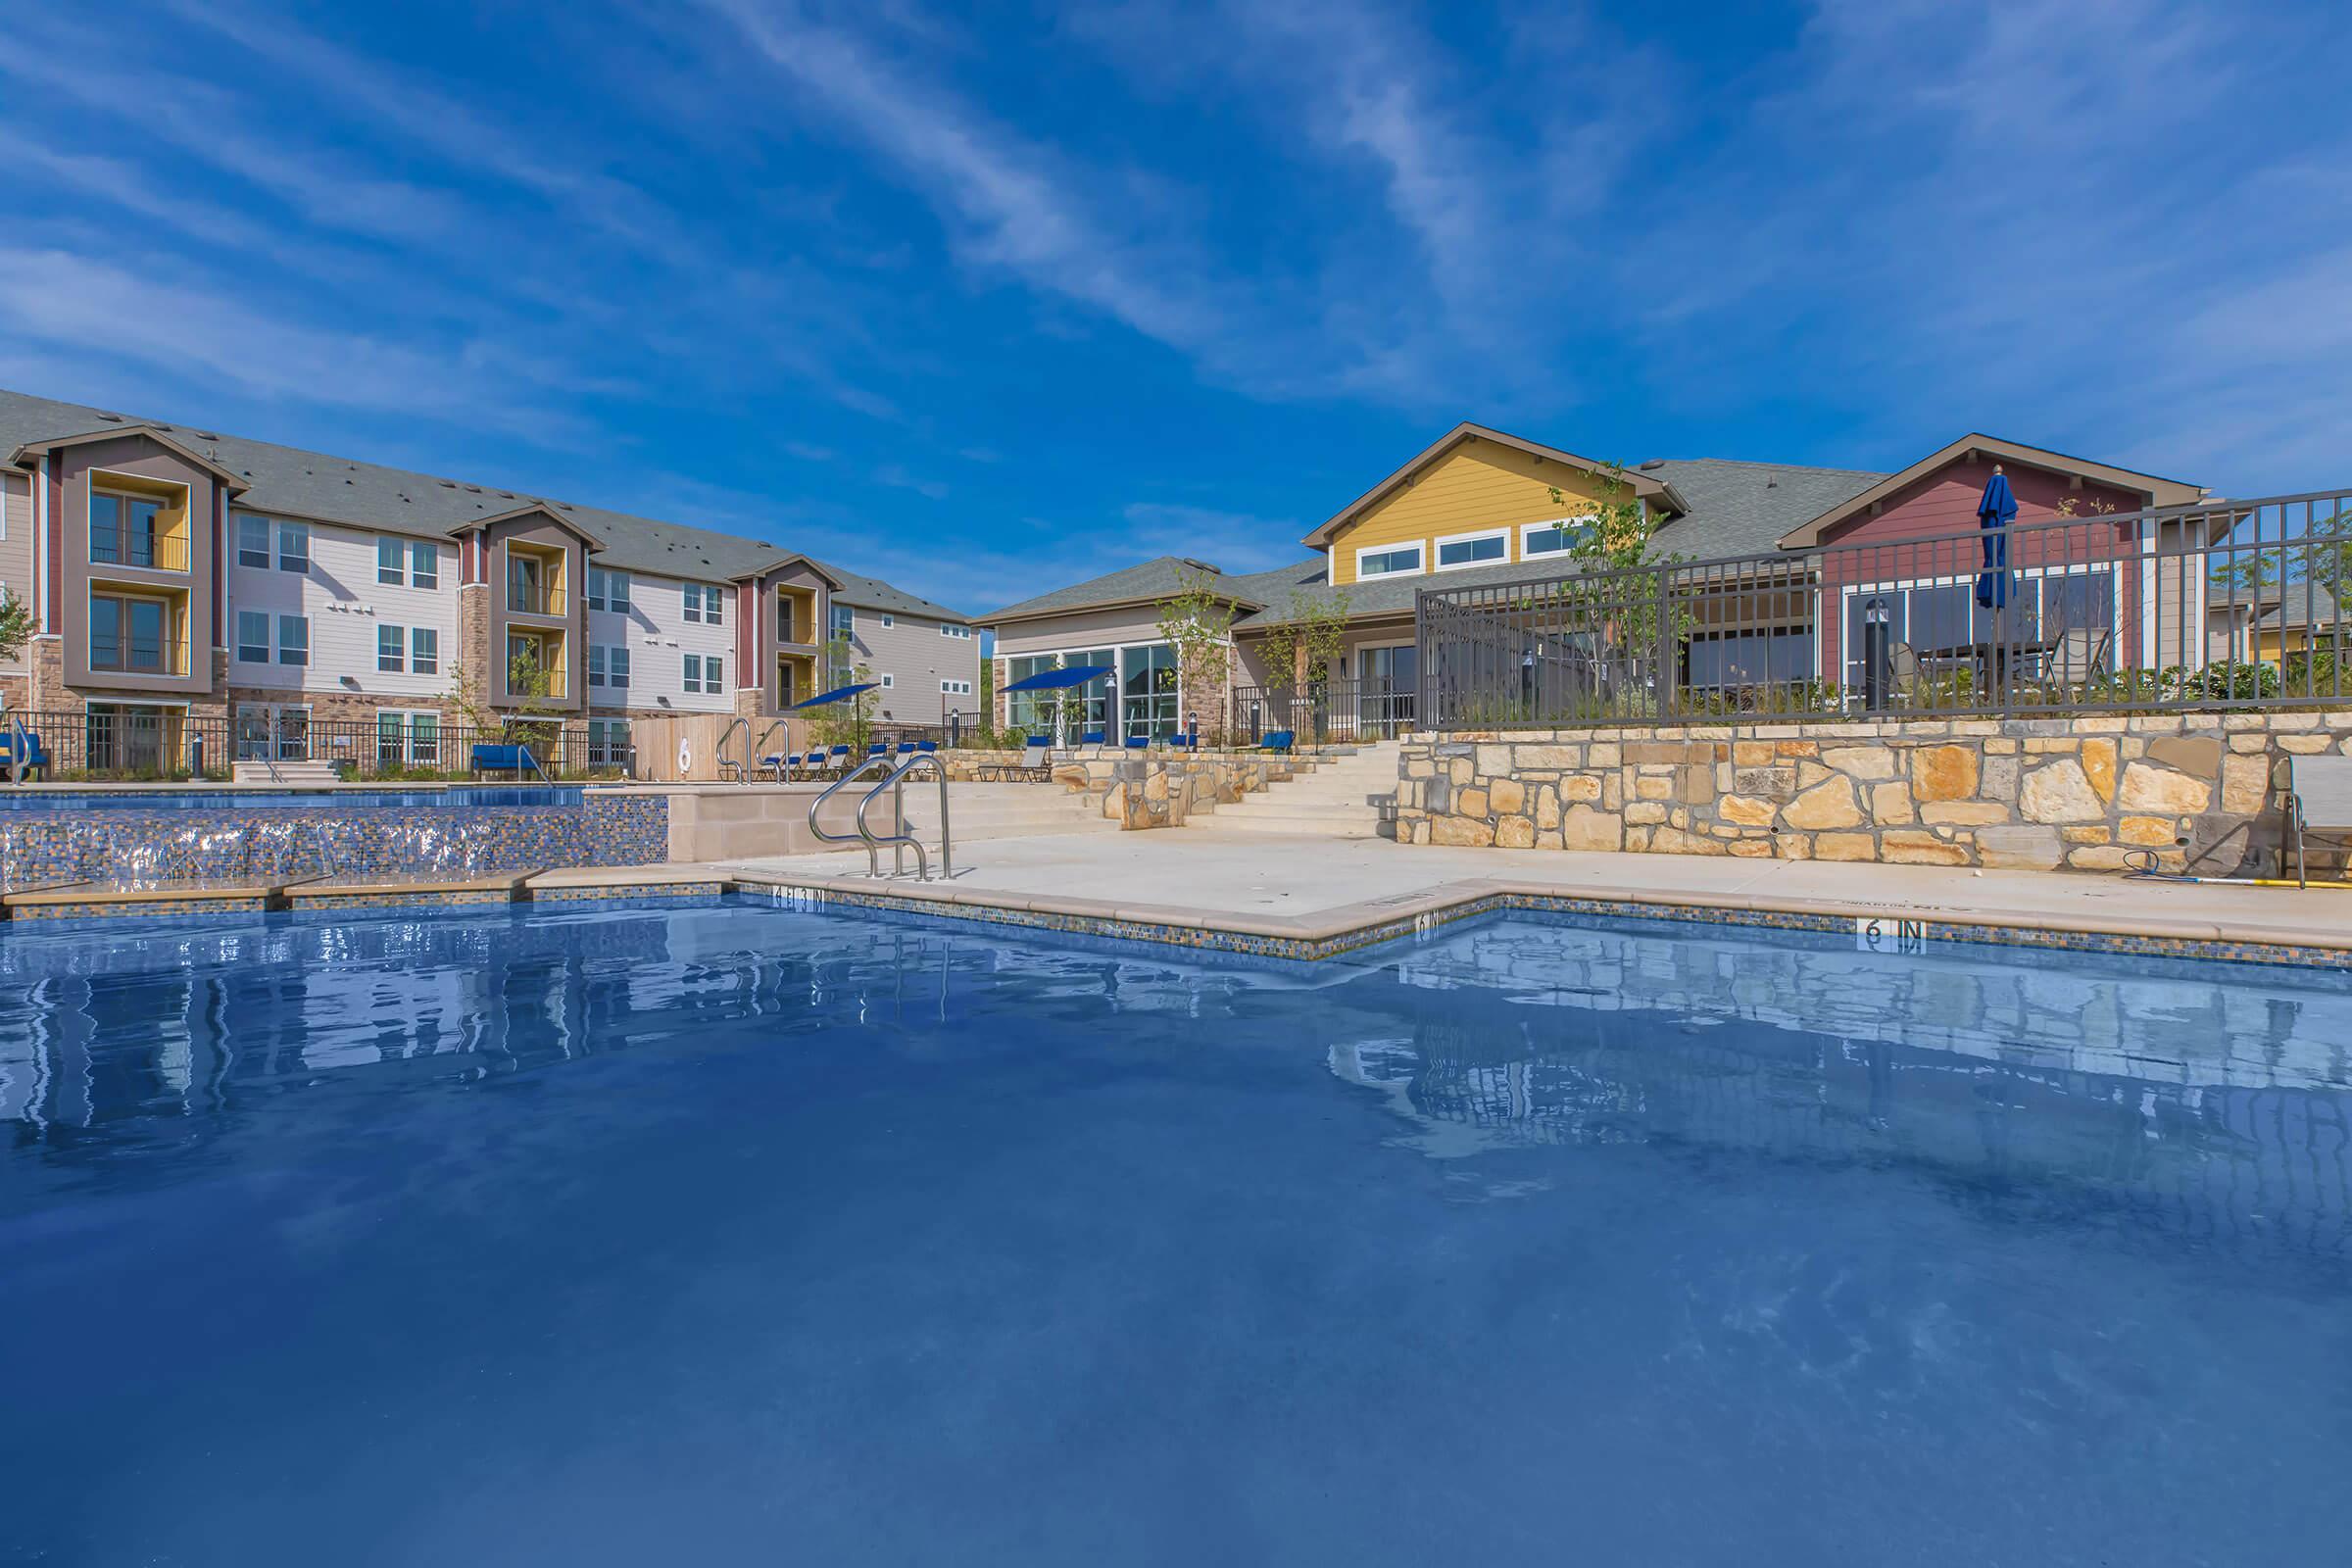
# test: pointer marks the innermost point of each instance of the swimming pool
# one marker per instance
(746, 1234)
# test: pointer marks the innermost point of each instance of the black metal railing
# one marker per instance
(133, 743)
(1329, 712)
(2230, 604)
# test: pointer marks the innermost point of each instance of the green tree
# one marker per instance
(16, 624)
(851, 722)
(1197, 623)
(2322, 554)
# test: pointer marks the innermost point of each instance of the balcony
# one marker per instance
(135, 547)
(539, 600)
(135, 636)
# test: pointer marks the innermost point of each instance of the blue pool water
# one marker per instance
(739, 1235)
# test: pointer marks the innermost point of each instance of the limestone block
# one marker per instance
(1861, 762)
(2002, 775)
(1827, 804)
(2019, 849)
(2245, 783)
(2099, 834)
(1891, 803)
(2150, 788)
(1509, 796)
(1653, 787)
(2306, 745)
(2149, 830)
(1547, 807)
(2198, 756)
(1579, 787)
(1556, 758)
(1461, 832)
(1492, 760)
(1645, 812)
(1943, 772)
(1514, 833)
(1779, 783)
(2059, 792)
(1471, 803)
(1746, 811)
(1584, 828)
(1602, 753)
(1845, 847)
(1913, 847)
(2098, 765)
(1965, 814)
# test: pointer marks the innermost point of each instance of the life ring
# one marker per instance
(685, 757)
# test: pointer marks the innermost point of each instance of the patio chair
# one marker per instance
(1033, 767)
(1281, 742)
(1137, 742)
(516, 760)
(2318, 803)
(1093, 737)
(2077, 656)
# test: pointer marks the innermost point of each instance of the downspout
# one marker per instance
(40, 539)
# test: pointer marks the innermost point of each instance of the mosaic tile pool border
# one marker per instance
(1315, 949)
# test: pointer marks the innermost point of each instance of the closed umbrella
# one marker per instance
(1997, 509)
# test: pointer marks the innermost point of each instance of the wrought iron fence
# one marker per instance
(2225, 603)
(138, 743)
(1325, 712)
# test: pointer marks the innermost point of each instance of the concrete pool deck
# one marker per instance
(1310, 894)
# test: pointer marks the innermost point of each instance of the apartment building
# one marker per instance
(173, 571)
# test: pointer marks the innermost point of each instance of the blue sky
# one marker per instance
(987, 302)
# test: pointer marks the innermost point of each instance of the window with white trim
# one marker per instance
(293, 546)
(1387, 560)
(253, 541)
(608, 742)
(608, 666)
(947, 630)
(253, 637)
(1554, 538)
(889, 619)
(391, 561)
(391, 649)
(889, 681)
(705, 673)
(424, 563)
(956, 687)
(293, 639)
(607, 589)
(425, 650)
(1490, 547)
(704, 601)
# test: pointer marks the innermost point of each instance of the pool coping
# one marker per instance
(1346, 928)
(1323, 934)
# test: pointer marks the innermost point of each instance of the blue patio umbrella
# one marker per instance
(839, 694)
(1054, 681)
(1994, 513)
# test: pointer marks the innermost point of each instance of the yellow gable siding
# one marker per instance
(1476, 486)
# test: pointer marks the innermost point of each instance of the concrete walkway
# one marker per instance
(1262, 884)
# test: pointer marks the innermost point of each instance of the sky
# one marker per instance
(985, 301)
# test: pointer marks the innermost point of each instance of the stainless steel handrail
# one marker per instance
(718, 754)
(752, 755)
(873, 861)
(895, 781)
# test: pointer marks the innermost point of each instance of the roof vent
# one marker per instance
(1772, 484)
(508, 494)
(163, 427)
(208, 436)
(1655, 462)
(1205, 565)
(112, 418)
(473, 489)
(449, 484)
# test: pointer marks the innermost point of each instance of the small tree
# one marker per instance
(16, 624)
(1612, 535)
(531, 715)
(1313, 630)
(1196, 622)
(851, 722)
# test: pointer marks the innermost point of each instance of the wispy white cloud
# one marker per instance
(896, 478)
(807, 451)
(1233, 541)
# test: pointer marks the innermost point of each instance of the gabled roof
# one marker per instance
(872, 593)
(2161, 492)
(30, 451)
(534, 509)
(779, 562)
(1646, 486)
(1743, 509)
(1147, 583)
(286, 481)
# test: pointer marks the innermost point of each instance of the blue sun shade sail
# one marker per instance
(1994, 513)
(1054, 681)
(839, 694)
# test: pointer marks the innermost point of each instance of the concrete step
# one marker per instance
(1366, 827)
(316, 770)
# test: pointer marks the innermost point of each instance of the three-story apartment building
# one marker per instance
(174, 571)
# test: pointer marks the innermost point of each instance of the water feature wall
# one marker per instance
(134, 843)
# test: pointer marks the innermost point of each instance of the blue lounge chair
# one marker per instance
(515, 759)
(37, 756)
(1139, 742)
(1093, 737)
(926, 747)
(1035, 766)
(1282, 741)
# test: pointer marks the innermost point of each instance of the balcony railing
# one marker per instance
(535, 599)
(2225, 604)
(124, 547)
(1331, 710)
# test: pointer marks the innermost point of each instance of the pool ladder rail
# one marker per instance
(894, 781)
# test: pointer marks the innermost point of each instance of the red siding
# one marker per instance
(1944, 504)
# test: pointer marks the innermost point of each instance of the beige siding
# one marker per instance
(659, 637)
(345, 607)
(1096, 628)
(16, 545)
(916, 656)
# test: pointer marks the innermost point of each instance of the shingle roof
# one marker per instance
(1145, 580)
(367, 495)
(1743, 509)
(872, 593)
(2299, 604)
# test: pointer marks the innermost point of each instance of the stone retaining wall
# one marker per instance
(2037, 792)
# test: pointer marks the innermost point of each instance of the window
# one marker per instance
(1474, 549)
(596, 663)
(390, 648)
(128, 531)
(130, 633)
(1733, 661)
(1396, 561)
(714, 600)
(608, 666)
(607, 589)
(956, 687)
(424, 567)
(391, 559)
(526, 586)
(890, 621)
(293, 640)
(253, 541)
(1147, 690)
(425, 650)
(293, 546)
(955, 631)
(692, 595)
(705, 601)
(405, 737)
(608, 742)
(843, 620)
(704, 673)
(253, 637)
(889, 681)
(1551, 538)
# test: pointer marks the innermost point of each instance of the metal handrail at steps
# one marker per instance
(817, 829)
(899, 840)
(722, 761)
(760, 746)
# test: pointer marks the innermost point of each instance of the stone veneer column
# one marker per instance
(474, 641)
